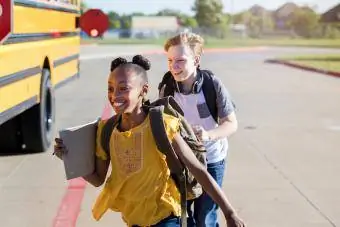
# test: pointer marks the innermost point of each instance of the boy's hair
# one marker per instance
(139, 65)
(194, 41)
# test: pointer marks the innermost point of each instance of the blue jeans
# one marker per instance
(205, 209)
(171, 221)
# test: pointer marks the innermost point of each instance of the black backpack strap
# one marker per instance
(207, 87)
(210, 93)
(108, 127)
(177, 169)
(168, 84)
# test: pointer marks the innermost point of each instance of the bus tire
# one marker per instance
(38, 122)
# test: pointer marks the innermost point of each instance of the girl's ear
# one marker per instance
(145, 90)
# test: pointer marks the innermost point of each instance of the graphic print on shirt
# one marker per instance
(128, 148)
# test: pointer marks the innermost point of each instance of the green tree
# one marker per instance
(238, 18)
(114, 19)
(331, 31)
(169, 12)
(125, 21)
(190, 22)
(83, 7)
(184, 20)
(115, 24)
(209, 13)
(137, 14)
(303, 22)
(113, 15)
(256, 24)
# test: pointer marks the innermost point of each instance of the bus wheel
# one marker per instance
(38, 122)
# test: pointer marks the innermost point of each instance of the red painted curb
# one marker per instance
(70, 205)
(307, 68)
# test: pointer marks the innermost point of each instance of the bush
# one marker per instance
(331, 32)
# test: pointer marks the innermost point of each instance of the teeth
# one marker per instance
(118, 104)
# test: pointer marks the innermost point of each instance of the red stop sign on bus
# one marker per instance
(5, 19)
(94, 22)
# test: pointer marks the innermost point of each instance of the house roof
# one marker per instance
(332, 15)
(285, 10)
(257, 10)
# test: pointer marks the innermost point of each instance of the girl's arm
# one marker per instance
(97, 178)
(201, 174)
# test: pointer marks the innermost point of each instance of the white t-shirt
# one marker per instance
(196, 112)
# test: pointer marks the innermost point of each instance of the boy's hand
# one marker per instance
(59, 148)
(234, 221)
(200, 132)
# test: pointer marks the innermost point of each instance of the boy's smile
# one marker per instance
(177, 73)
(181, 62)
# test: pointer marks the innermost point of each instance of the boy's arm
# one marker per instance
(97, 178)
(227, 126)
(200, 173)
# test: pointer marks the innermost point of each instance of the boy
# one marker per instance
(207, 107)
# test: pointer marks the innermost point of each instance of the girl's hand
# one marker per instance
(59, 148)
(234, 221)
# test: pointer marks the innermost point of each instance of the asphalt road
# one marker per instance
(283, 163)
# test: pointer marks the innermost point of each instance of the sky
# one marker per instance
(153, 6)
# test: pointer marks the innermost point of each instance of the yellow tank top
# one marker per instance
(139, 186)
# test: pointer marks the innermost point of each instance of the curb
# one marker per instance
(307, 68)
(70, 205)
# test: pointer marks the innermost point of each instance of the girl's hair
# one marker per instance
(194, 41)
(139, 65)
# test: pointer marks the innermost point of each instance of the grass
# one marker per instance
(218, 43)
(323, 62)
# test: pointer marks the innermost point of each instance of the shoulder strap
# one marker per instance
(107, 131)
(210, 93)
(172, 107)
(176, 167)
(168, 82)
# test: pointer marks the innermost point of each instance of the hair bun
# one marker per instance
(117, 62)
(142, 62)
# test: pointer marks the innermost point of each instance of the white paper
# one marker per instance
(80, 141)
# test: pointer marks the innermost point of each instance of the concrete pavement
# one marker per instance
(282, 164)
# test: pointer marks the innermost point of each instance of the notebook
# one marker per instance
(80, 141)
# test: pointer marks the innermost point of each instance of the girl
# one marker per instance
(140, 185)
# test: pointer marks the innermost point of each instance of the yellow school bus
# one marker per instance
(40, 54)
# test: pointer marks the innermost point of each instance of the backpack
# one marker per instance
(205, 82)
(187, 185)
